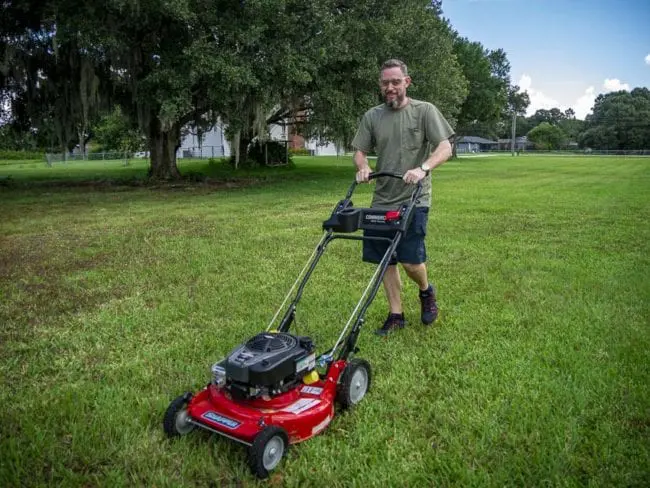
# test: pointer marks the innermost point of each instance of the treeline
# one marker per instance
(136, 75)
(619, 121)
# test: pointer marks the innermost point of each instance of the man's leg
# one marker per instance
(393, 289)
(418, 273)
(429, 307)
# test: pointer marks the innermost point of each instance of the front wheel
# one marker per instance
(176, 422)
(267, 450)
(354, 383)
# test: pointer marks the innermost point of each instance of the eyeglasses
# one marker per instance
(393, 82)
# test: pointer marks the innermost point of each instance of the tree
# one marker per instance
(547, 136)
(620, 120)
(487, 73)
(115, 132)
(48, 86)
(518, 102)
(324, 75)
(168, 64)
(571, 126)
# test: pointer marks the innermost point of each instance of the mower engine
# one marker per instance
(267, 365)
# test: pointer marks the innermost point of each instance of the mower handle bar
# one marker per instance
(379, 174)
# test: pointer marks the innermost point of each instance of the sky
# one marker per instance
(563, 52)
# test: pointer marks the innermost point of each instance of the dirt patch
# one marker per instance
(35, 279)
(189, 183)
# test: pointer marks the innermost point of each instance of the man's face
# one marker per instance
(393, 86)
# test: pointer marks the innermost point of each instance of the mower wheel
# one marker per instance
(267, 450)
(176, 421)
(354, 383)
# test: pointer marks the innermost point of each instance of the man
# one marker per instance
(409, 137)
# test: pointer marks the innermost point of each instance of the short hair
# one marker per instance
(395, 63)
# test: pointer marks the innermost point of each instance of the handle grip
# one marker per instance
(379, 174)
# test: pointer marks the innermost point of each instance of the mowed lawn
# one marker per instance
(116, 297)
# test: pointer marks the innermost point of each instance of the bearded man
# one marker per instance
(410, 137)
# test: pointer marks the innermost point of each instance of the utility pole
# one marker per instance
(514, 131)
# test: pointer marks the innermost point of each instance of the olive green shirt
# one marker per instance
(402, 139)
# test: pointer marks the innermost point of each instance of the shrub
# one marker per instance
(300, 151)
(268, 153)
(21, 155)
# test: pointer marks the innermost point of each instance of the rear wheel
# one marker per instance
(269, 446)
(176, 422)
(354, 383)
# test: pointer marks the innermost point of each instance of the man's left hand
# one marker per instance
(412, 176)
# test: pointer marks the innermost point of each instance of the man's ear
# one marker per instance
(407, 81)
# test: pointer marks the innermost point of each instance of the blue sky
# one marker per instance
(563, 52)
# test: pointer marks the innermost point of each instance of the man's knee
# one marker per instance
(413, 268)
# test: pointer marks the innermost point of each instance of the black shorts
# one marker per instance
(410, 250)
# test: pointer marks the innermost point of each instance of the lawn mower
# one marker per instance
(274, 390)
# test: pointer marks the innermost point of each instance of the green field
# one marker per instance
(117, 296)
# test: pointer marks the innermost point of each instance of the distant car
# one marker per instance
(141, 154)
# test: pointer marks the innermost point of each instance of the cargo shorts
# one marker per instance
(411, 248)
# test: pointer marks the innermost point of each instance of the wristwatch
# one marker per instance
(425, 167)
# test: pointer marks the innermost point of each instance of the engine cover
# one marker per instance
(270, 359)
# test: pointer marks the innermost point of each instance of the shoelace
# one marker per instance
(429, 303)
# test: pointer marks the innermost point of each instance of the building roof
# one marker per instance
(476, 140)
(517, 139)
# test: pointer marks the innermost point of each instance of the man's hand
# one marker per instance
(363, 174)
(412, 176)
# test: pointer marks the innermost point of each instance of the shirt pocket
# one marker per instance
(414, 138)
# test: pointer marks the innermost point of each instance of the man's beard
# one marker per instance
(395, 102)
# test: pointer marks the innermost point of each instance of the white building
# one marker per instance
(213, 143)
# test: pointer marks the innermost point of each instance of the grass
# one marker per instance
(116, 297)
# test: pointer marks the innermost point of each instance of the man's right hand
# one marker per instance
(363, 174)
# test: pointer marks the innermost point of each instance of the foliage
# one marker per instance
(547, 136)
(620, 120)
(269, 153)
(21, 155)
(114, 132)
(323, 76)
(299, 151)
(487, 73)
(13, 137)
(167, 65)
(553, 116)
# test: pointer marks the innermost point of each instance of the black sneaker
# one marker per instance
(394, 321)
(429, 307)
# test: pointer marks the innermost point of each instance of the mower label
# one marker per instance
(221, 420)
(312, 390)
(301, 405)
(321, 426)
(376, 217)
(306, 363)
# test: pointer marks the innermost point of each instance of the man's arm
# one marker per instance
(440, 154)
(363, 168)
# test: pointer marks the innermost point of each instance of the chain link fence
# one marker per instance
(56, 158)
(202, 152)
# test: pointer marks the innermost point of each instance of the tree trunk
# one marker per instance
(163, 145)
(82, 144)
(454, 147)
(243, 148)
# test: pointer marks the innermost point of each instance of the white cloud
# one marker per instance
(647, 60)
(582, 106)
(538, 100)
(585, 103)
(615, 85)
